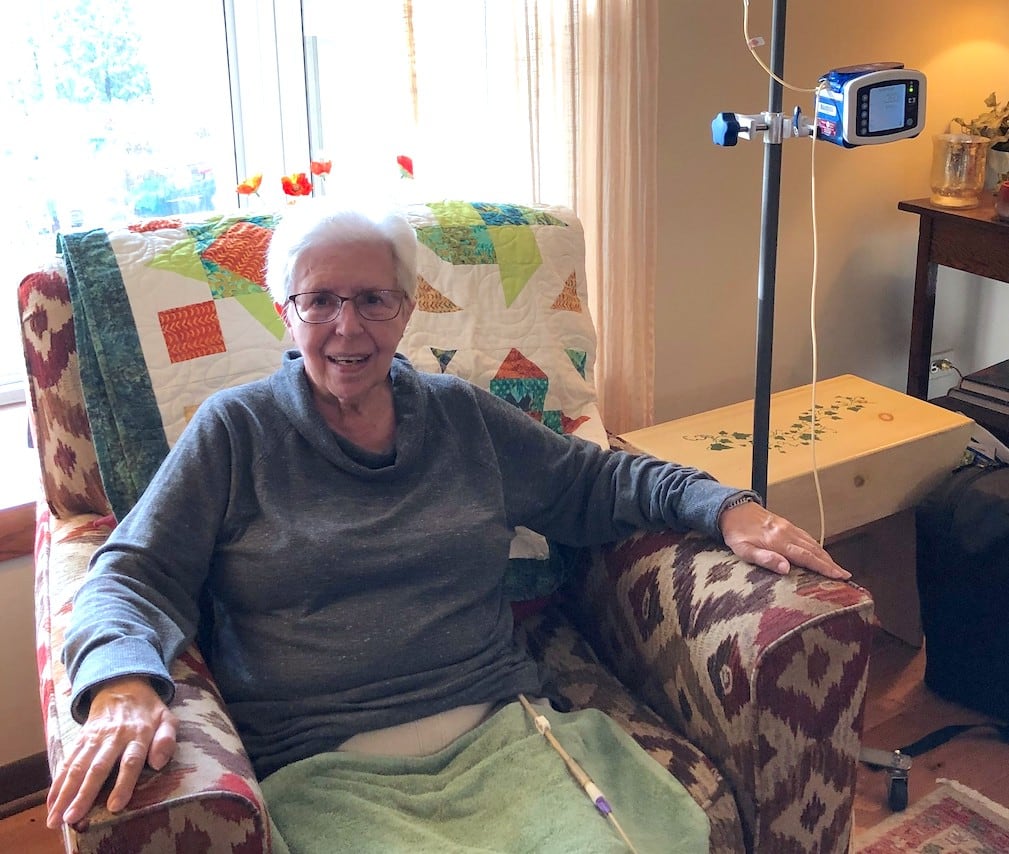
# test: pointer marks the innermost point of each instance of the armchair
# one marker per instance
(747, 686)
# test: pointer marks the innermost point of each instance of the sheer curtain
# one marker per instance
(616, 198)
(553, 101)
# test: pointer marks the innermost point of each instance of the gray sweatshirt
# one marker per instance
(341, 591)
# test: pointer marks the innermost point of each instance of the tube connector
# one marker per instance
(542, 724)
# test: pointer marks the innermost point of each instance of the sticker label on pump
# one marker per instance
(870, 104)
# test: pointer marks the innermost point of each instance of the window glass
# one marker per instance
(359, 73)
(478, 94)
(113, 111)
(118, 110)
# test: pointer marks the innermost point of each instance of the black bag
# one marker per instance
(963, 586)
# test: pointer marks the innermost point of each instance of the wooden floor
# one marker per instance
(900, 710)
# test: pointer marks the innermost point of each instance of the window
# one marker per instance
(125, 109)
(113, 111)
(476, 93)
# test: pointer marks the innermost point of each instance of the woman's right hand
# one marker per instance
(127, 724)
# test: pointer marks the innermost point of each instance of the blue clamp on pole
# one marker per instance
(725, 129)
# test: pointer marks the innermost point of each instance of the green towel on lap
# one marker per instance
(499, 788)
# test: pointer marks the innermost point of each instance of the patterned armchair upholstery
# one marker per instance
(747, 686)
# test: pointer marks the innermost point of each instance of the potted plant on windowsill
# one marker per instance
(994, 125)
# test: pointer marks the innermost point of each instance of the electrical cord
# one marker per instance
(947, 365)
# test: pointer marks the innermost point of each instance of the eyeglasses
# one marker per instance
(324, 306)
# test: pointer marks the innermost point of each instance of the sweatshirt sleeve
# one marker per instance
(138, 608)
(577, 493)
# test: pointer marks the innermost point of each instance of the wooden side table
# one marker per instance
(878, 454)
(972, 240)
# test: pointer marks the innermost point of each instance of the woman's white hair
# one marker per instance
(314, 222)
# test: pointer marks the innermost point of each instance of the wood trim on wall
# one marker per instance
(23, 783)
(20, 483)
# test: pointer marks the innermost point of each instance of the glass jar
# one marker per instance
(958, 169)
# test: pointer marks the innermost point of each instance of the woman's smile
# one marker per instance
(348, 361)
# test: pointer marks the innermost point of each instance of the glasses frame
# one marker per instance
(344, 300)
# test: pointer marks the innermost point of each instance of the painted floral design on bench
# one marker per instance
(799, 433)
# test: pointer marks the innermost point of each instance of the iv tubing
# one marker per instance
(595, 795)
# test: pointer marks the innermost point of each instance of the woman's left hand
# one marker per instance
(766, 539)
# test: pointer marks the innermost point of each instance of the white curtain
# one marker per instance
(554, 101)
(616, 198)
(590, 68)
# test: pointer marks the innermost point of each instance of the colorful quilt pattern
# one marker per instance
(501, 301)
(174, 310)
(171, 311)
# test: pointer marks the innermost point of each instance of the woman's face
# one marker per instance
(348, 358)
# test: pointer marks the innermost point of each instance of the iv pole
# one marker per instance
(727, 128)
(770, 204)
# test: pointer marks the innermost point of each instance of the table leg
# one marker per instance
(922, 314)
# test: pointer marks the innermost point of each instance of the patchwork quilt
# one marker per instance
(502, 302)
(170, 311)
(167, 313)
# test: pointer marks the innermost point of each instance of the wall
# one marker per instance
(21, 733)
(710, 199)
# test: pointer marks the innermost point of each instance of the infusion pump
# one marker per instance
(855, 105)
(870, 104)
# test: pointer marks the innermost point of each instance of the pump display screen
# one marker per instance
(886, 107)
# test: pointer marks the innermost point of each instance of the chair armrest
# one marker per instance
(208, 792)
(766, 674)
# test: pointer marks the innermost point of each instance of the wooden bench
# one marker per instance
(877, 454)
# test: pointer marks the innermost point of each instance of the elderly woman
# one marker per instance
(342, 529)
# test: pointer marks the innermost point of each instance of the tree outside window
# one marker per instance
(113, 111)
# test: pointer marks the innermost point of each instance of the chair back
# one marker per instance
(71, 482)
(136, 326)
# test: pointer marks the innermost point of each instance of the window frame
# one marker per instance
(269, 88)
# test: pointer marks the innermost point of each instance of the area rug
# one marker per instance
(950, 820)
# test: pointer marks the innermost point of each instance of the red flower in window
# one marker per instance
(250, 185)
(296, 184)
(322, 167)
(405, 166)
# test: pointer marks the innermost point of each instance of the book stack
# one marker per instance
(984, 396)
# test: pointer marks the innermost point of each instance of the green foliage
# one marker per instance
(993, 123)
(157, 194)
(101, 53)
(82, 51)
(798, 433)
